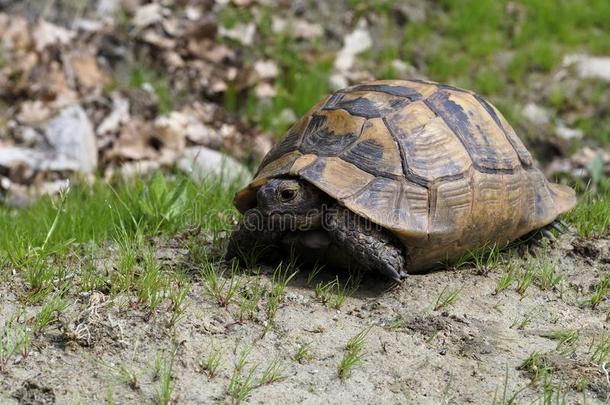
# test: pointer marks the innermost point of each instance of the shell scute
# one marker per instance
(472, 125)
(330, 132)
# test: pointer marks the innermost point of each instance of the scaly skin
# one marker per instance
(299, 218)
(251, 241)
(369, 245)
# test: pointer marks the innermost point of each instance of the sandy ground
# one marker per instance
(466, 352)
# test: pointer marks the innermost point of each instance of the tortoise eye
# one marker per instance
(287, 195)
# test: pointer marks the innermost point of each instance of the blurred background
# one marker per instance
(104, 88)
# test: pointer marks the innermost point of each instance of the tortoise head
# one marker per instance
(292, 196)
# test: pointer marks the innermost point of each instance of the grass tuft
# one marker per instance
(353, 355)
(445, 298)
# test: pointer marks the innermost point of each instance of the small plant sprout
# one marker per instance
(241, 384)
(445, 298)
(222, 290)
(15, 338)
(165, 364)
(545, 272)
(150, 285)
(303, 354)
(523, 323)
(600, 293)
(599, 349)
(353, 355)
(178, 293)
(314, 273)
(212, 362)
(567, 340)
(49, 313)
(535, 365)
(334, 293)
(506, 280)
(272, 373)
(525, 280)
(279, 282)
(249, 300)
(486, 258)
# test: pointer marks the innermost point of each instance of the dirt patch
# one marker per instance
(31, 393)
(465, 352)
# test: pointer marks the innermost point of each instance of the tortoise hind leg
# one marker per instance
(368, 244)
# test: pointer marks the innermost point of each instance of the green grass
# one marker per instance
(599, 349)
(497, 48)
(353, 354)
(164, 369)
(101, 212)
(334, 293)
(445, 298)
(211, 364)
(535, 365)
(591, 217)
(303, 354)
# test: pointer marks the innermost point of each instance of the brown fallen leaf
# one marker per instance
(46, 34)
(87, 71)
(33, 112)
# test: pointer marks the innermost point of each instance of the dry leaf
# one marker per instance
(46, 34)
(87, 71)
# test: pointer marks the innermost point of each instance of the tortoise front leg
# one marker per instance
(369, 244)
(252, 238)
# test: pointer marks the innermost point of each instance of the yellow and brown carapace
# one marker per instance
(436, 165)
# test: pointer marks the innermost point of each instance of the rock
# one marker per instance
(139, 168)
(46, 34)
(337, 81)
(303, 29)
(72, 138)
(354, 43)
(589, 67)
(202, 163)
(265, 90)
(118, 116)
(147, 15)
(108, 7)
(568, 133)
(86, 70)
(242, 33)
(266, 69)
(536, 114)
(33, 112)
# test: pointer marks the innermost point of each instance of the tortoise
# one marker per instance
(397, 177)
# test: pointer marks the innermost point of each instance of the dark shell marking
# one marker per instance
(321, 138)
(437, 165)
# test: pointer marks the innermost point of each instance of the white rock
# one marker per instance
(337, 81)
(147, 15)
(139, 168)
(35, 160)
(72, 138)
(108, 7)
(589, 67)
(266, 69)
(536, 114)
(264, 90)
(46, 34)
(354, 43)
(306, 30)
(278, 24)
(118, 116)
(202, 163)
(243, 33)
(567, 132)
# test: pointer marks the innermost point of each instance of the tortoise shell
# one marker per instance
(436, 165)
